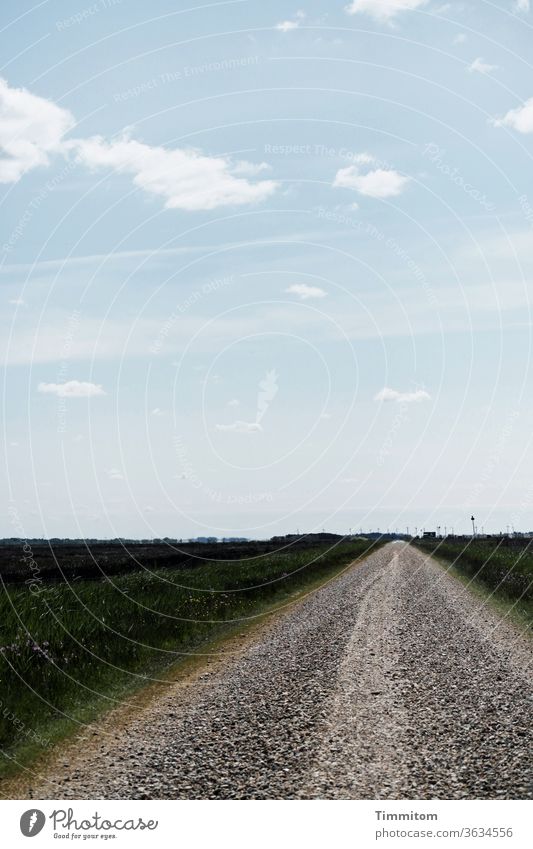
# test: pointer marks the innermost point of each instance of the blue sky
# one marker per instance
(265, 266)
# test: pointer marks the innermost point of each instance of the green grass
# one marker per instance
(497, 569)
(70, 651)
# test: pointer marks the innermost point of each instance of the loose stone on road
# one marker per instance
(392, 681)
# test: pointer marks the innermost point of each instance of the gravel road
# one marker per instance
(393, 681)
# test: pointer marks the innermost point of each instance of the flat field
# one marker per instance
(89, 633)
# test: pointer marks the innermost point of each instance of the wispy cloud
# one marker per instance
(520, 119)
(71, 389)
(522, 6)
(115, 475)
(159, 255)
(383, 10)
(368, 177)
(481, 67)
(460, 38)
(305, 292)
(387, 394)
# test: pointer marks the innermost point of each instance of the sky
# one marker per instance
(265, 268)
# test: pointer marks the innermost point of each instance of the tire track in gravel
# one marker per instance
(362, 749)
(392, 681)
(465, 673)
(434, 696)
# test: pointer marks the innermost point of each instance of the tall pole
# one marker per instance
(473, 526)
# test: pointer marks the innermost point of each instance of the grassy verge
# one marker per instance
(500, 574)
(70, 651)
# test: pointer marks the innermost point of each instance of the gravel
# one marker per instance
(393, 681)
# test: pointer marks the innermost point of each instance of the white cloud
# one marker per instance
(305, 292)
(71, 389)
(294, 23)
(387, 394)
(249, 169)
(287, 26)
(234, 403)
(375, 182)
(115, 475)
(520, 119)
(481, 67)
(383, 10)
(522, 6)
(31, 128)
(186, 179)
(460, 38)
(240, 427)
(157, 412)
(17, 302)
